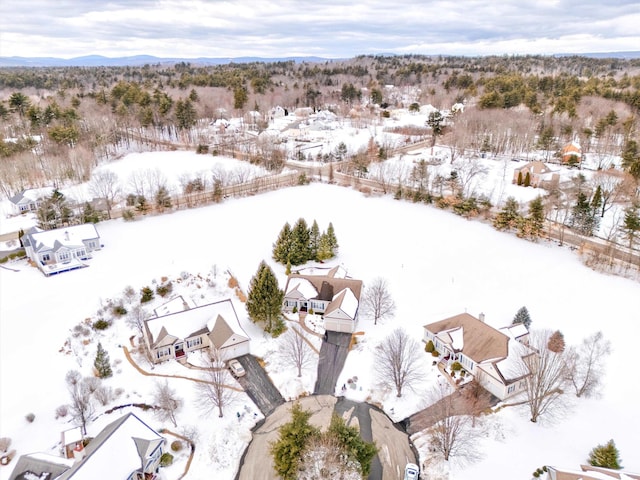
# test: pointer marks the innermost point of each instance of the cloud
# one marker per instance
(330, 28)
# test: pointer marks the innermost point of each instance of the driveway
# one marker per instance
(258, 386)
(333, 354)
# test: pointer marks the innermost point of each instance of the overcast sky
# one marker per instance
(326, 28)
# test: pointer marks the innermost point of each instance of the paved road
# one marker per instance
(359, 412)
(333, 354)
(393, 444)
(258, 386)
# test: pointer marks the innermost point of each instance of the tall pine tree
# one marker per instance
(264, 299)
(333, 241)
(291, 442)
(631, 224)
(314, 240)
(582, 218)
(522, 316)
(300, 250)
(508, 217)
(282, 247)
(102, 362)
(533, 225)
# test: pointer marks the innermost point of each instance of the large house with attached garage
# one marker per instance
(492, 356)
(180, 328)
(62, 249)
(126, 449)
(333, 295)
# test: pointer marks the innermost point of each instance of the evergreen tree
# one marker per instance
(163, 199)
(631, 224)
(54, 211)
(355, 447)
(292, 439)
(333, 241)
(264, 299)
(556, 342)
(300, 251)
(282, 247)
(606, 456)
(507, 218)
(90, 214)
(522, 316)
(527, 180)
(324, 248)
(596, 201)
(102, 363)
(533, 225)
(314, 241)
(582, 218)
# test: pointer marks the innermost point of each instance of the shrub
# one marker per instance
(30, 417)
(119, 310)
(146, 295)
(429, 347)
(164, 289)
(62, 411)
(536, 474)
(311, 311)
(202, 149)
(303, 179)
(456, 366)
(101, 324)
(435, 353)
(128, 215)
(278, 328)
(176, 445)
(166, 459)
(295, 309)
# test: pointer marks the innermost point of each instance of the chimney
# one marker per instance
(481, 317)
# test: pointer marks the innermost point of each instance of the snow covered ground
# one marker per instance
(436, 264)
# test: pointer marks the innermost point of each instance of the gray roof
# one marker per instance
(45, 467)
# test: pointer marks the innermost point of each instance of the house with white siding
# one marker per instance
(61, 249)
(492, 356)
(333, 295)
(180, 328)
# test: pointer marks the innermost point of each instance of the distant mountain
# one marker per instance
(631, 54)
(100, 61)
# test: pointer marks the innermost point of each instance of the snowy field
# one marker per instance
(436, 264)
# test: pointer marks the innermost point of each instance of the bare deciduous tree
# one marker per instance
(294, 349)
(452, 435)
(545, 376)
(397, 362)
(105, 184)
(214, 392)
(324, 457)
(136, 317)
(377, 301)
(476, 398)
(587, 364)
(80, 389)
(166, 402)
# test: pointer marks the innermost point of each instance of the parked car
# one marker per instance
(411, 472)
(237, 370)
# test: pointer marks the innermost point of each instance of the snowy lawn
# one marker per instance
(436, 265)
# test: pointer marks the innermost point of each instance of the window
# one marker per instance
(62, 256)
(194, 342)
(91, 244)
(46, 257)
(163, 352)
(511, 388)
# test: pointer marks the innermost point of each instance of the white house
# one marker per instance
(29, 200)
(183, 329)
(62, 249)
(492, 356)
(126, 449)
(334, 296)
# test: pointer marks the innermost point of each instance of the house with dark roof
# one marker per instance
(334, 295)
(126, 449)
(181, 329)
(492, 356)
(61, 249)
